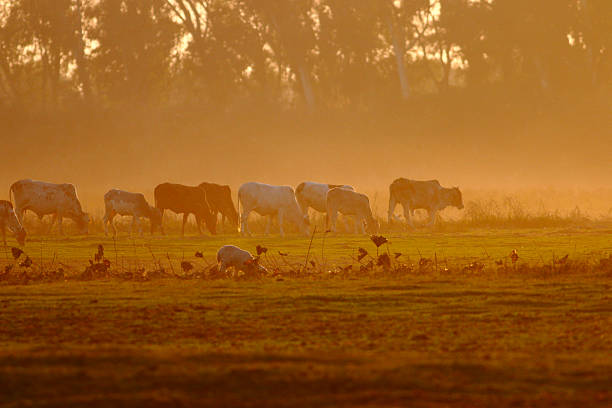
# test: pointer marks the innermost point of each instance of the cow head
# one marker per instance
(82, 221)
(456, 198)
(304, 224)
(229, 209)
(451, 197)
(20, 236)
(155, 216)
(372, 225)
(252, 267)
(232, 215)
(14, 225)
(209, 219)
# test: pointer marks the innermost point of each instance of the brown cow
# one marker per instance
(8, 218)
(219, 198)
(428, 195)
(185, 200)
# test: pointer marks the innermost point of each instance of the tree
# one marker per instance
(289, 25)
(132, 60)
(225, 50)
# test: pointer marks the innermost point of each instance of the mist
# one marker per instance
(487, 96)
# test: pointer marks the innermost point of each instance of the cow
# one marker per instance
(43, 198)
(349, 202)
(219, 198)
(314, 195)
(428, 195)
(126, 203)
(230, 256)
(185, 200)
(9, 219)
(268, 200)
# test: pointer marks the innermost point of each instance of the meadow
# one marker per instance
(451, 320)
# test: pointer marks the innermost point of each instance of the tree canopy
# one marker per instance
(313, 54)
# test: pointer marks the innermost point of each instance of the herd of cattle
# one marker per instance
(207, 200)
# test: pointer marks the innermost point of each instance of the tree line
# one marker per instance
(311, 54)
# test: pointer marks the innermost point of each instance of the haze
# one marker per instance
(314, 94)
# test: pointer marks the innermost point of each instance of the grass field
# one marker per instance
(538, 333)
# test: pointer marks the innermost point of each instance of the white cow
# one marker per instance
(349, 202)
(230, 256)
(272, 201)
(9, 219)
(43, 198)
(126, 203)
(314, 195)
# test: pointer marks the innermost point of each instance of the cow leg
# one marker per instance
(161, 226)
(59, 219)
(280, 223)
(109, 220)
(53, 220)
(333, 216)
(216, 216)
(407, 211)
(432, 216)
(105, 222)
(185, 215)
(199, 222)
(356, 220)
(222, 267)
(42, 224)
(345, 224)
(244, 222)
(268, 224)
(392, 205)
(136, 220)
(112, 224)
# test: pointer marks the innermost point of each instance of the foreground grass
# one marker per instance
(424, 338)
(535, 246)
(421, 341)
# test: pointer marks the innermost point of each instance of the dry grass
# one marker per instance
(421, 340)
(454, 321)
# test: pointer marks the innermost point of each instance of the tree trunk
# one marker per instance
(9, 78)
(54, 72)
(306, 86)
(399, 51)
(79, 53)
(45, 78)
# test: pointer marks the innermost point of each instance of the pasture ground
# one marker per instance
(497, 336)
